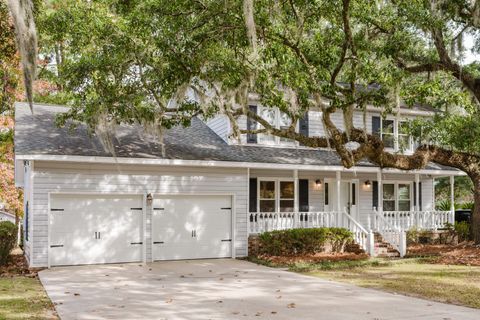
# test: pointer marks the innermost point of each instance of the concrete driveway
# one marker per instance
(224, 289)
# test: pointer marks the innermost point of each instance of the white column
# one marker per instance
(337, 180)
(417, 192)
(295, 187)
(380, 193)
(452, 195)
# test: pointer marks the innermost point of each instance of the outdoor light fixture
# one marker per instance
(318, 182)
(368, 183)
(149, 199)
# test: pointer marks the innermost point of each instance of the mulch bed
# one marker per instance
(18, 266)
(465, 253)
(319, 257)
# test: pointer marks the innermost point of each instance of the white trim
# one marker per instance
(144, 228)
(231, 164)
(395, 193)
(277, 199)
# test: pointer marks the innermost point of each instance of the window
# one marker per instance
(278, 120)
(397, 196)
(404, 139)
(287, 196)
(403, 197)
(395, 135)
(388, 133)
(267, 196)
(276, 195)
(388, 197)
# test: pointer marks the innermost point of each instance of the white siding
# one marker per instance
(428, 195)
(54, 177)
(220, 125)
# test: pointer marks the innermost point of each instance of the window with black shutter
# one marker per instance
(253, 195)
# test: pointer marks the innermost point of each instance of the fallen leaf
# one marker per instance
(76, 294)
(273, 312)
(258, 314)
(169, 300)
(291, 305)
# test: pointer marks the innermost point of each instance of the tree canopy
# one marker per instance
(126, 61)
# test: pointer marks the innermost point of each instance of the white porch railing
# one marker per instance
(390, 233)
(423, 220)
(259, 222)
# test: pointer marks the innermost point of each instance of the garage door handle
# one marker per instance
(226, 240)
(158, 208)
(136, 208)
(158, 242)
(56, 246)
(226, 208)
(136, 242)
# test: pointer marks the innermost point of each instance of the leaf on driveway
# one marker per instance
(76, 294)
(258, 314)
(273, 312)
(291, 305)
(169, 300)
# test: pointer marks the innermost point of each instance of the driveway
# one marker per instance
(224, 289)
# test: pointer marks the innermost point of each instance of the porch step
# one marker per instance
(354, 248)
(384, 249)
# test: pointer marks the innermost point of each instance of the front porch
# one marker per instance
(365, 201)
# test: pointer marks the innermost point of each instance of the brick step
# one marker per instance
(384, 249)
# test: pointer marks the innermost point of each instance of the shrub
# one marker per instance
(303, 241)
(462, 229)
(8, 239)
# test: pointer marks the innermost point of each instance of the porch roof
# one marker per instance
(37, 135)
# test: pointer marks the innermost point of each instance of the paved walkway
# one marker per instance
(224, 289)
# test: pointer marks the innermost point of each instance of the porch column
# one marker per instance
(340, 217)
(452, 199)
(380, 192)
(337, 180)
(295, 187)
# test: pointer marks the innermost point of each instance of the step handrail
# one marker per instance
(394, 236)
(361, 236)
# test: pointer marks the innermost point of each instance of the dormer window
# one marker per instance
(278, 120)
(393, 133)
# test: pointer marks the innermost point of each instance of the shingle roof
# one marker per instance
(37, 135)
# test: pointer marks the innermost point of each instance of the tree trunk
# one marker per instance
(476, 210)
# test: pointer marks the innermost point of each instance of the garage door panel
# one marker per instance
(191, 227)
(86, 229)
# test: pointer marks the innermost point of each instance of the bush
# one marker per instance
(303, 241)
(8, 239)
(462, 229)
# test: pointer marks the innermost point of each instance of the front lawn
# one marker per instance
(414, 277)
(21, 294)
(24, 298)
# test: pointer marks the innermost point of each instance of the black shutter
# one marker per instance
(252, 125)
(326, 194)
(375, 194)
(252, 200)
(420, 194)
(376, 126)
(414, 194)
(354, 194)
(303, 195)
(303, 126)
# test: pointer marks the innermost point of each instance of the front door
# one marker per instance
(348, 197)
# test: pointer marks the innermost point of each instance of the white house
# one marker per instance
(200, 194)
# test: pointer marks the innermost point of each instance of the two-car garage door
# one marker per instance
(89, 229)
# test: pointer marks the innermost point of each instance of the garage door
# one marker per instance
(88, 229)
(192, 227)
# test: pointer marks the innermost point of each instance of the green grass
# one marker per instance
(415, 277)
(24, 298)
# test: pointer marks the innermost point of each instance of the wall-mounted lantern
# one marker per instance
(149, 199)
(368, 183)
(318, 183)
